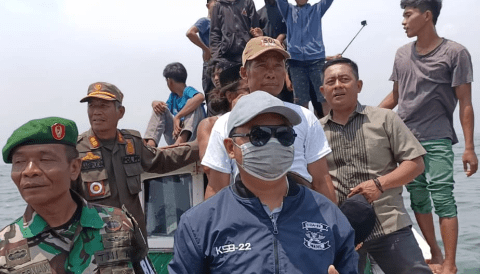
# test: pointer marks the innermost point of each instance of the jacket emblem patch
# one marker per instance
(313, 236)
(96, 188)
(40, 267)
(58, 131)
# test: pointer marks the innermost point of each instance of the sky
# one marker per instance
(52, 50)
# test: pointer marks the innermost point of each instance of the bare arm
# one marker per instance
(194, 38)
(391, 100)
(203, 134)
(216, 181)
(402, 175)
(191, 105)
(469, 158)
(322, 182)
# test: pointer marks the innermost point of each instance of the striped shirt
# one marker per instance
(372, 144)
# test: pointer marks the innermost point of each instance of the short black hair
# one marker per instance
(423, 5)
(71, 152)
(342, 60)
(175, 71)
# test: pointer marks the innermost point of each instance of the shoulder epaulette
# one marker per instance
(131, 132)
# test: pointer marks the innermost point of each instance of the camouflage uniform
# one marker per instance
(97, 239)
(111, 175)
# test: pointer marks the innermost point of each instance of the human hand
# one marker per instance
(367, 189)
(470, 162)
(332, 270)
(159, 107)
(256, 32)
(149, 142)
(207, 55)
(177, 127)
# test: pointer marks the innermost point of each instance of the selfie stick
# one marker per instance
(364, 23)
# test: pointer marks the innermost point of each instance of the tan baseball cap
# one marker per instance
(105, 91)
(258, 45)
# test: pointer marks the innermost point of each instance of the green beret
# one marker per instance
(51, 130)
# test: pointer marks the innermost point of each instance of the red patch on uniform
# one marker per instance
(58, 131)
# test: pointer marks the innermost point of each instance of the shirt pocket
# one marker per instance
(95, 184)
(133, 172)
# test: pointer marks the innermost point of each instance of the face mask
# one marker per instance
(268, 162)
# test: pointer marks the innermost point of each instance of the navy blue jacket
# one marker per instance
(232, 233)
(304, 29)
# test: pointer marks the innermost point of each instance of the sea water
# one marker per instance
(467, 195)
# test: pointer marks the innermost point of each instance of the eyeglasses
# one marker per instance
(259, 135)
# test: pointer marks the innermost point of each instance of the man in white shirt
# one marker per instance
(263, 66)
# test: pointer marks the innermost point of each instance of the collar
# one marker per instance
(94, 142)
(360, 109)
(241, 190)
(32, 224)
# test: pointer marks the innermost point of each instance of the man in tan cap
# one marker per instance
(263, 67)
(113, 159)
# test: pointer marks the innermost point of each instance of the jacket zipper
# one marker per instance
(275, 244)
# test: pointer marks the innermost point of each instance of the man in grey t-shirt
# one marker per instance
(430, 75)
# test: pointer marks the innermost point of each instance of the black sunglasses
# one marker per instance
(259, 135)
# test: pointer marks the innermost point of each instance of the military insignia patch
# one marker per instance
(131, 159)
(93, 164)
(18, 255)
(96, 189)
(94, 141)
(58, 131)
(90, 156)
(120, 138)
(130, 148)
(113, 255)
(98, 87)
(116, 239)
(112, 224)
(244, 12)
(40, 268)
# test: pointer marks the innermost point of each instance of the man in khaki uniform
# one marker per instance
(60, 232)
(113, 159)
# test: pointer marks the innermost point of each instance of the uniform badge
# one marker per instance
(130, 148)
(98, 87)
(120, 138)
(112, 224)
(96, 188)
(244, 12)
(58, 131)
(94, 141)
(18, 255)
(90, 156)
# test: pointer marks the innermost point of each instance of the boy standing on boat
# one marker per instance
(113, 159)
(199, 34)
(265, 222)
(60, 232)
(373, 154)
(233, 23)
(430, 76)
(306, 48)
(177, 119)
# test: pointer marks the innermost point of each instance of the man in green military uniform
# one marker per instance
(60, 232)
(113, 159)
